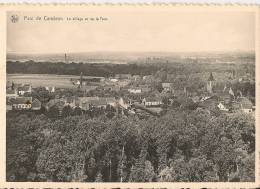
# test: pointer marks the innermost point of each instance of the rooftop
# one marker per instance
(245, 103)
(24, 88)
(9, 91)
(21, 100)
(153, 99)
(211, 78)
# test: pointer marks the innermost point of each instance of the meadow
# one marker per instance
(42, 80)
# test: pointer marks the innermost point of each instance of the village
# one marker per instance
(141, 95)
(128, 95)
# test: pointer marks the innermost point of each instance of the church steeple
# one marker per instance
(211, 78)
(81, 80)
(66, 58)
(210, 83)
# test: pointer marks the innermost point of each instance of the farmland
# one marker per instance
(42, 80)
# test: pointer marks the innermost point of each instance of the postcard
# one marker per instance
(129, 96)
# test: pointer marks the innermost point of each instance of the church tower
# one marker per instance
(81, 80)
(210, 83)
(66, 59)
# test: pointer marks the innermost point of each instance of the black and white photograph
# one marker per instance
(131, 94)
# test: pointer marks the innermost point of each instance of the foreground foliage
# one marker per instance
(179, 146)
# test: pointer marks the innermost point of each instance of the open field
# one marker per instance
(42, 80)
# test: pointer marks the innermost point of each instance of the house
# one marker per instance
(135, 90)
(55, 104)
(167, 87)
(116, 88)
(184, 102)
(245, 104)
(123, 76)
(210, 103)
(60, 103)
(9, 85)
(204, 98)
(24, 89)
(89, 87)
(50, 89)
(8, 107)
(36, 104)
(152, 101)
(195, 99)
(222, 107)
(145, 88)
(11, 93)
(21, 103)
(113, 80)
(123, 83)
(85, 103)
(147, 77)
(70, 101)
(102, 102)
(110, 101)
(109, 87)
(122, 103)
(137, 77)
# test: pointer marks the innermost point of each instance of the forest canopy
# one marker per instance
(177, 147)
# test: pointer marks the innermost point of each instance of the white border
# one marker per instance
(28, 7)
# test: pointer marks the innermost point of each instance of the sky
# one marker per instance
(132, 31)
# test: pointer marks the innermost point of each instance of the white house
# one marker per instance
(152, 101)
(167, 87)
(22, 103)
(122, 103)
(50, 89)
(114, 80)
(222, 107)
(24, 89)
(135, 90)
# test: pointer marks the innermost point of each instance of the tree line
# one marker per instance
(60, 68)
(106, 70)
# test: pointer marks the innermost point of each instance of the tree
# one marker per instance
(182, 145)
(53, 112)
(26, 130)
(122, 169)
(143, 170)
(66, 111)
(99, 177)
(77, 111)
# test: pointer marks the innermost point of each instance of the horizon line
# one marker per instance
(107, 51)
